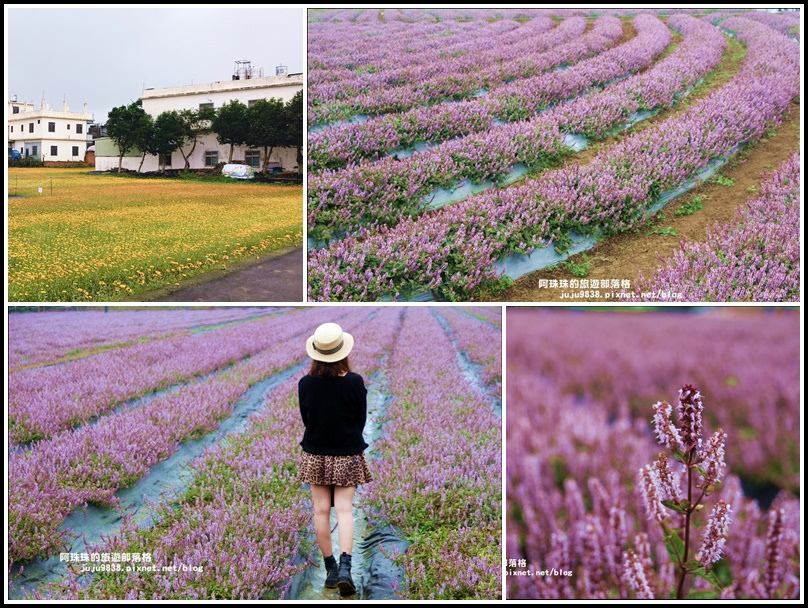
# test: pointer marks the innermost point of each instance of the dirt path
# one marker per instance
(275, 277)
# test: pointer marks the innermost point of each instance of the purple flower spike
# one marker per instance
(690, 409)
(667, 433)
(715, 535)
(712, 457)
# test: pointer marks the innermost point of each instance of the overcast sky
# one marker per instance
(106, 56)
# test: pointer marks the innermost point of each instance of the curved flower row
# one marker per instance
(454, 249)
(337, 146)
(33, 341)
(439, 474)
(489, 315)
(756, 258)
(47, 400)
(463, 77)
(480, 341)
(91, 463)
(389, 189)
(572, 459)
(243, 515)
(448, 73)
(336, 50)
(787, 24)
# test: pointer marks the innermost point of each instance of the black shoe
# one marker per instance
(344, 580)
(332, 571)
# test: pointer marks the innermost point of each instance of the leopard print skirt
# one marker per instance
(323, 470)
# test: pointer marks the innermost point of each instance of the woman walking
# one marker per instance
(333, 405)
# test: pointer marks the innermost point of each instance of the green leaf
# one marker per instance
(675, 546)
(722, 571)
(679, 507)
(710, 577)
(693, 564)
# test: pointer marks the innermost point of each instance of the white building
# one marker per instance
(208, 152)
(50, 135)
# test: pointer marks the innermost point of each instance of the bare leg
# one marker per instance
(343, 504)
(321, 497)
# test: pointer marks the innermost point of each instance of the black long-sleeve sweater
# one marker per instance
(334, 411)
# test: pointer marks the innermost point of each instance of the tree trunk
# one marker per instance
(142, 160)
(120, 161)
(230, 157)
(266, 157)
(185, 158)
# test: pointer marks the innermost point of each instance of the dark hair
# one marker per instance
(322, 369)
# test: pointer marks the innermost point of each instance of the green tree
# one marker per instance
(231, 125)
(267, 121)
(125, 127)
(197, 124)
(294, 127)
(170, 134)
(145, 140)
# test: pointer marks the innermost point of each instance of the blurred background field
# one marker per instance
(580, 389)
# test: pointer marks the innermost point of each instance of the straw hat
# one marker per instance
(329, 343)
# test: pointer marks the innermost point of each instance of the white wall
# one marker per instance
(156, 101)
(286, 156)
(64, 136)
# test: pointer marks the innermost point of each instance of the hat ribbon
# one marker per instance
(330, 351)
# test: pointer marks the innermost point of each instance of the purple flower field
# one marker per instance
(755, 259)
(231, 522)
(653, 454)
(404, 109)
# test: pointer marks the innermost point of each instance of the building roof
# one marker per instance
(226, 85)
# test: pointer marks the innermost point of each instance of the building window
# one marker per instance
(12, 128)
(253, 158)
(251, 102)
(34, 151)
(211, 158)
(54, 151)
(79, 128)
(165, 160)
(68, 126)
(202, 106)
(15, 109)
(51, 127)
(75, 150)
(30, 127)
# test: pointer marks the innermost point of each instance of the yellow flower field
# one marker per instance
(105, 238)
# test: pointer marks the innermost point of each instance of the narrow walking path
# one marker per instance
(372, 571)
(276, 277)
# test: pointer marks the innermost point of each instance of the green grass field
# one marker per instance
(108, 237)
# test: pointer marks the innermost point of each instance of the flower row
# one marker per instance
(756, 258)
(439, 471)
(33, 342)
(480, 341)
